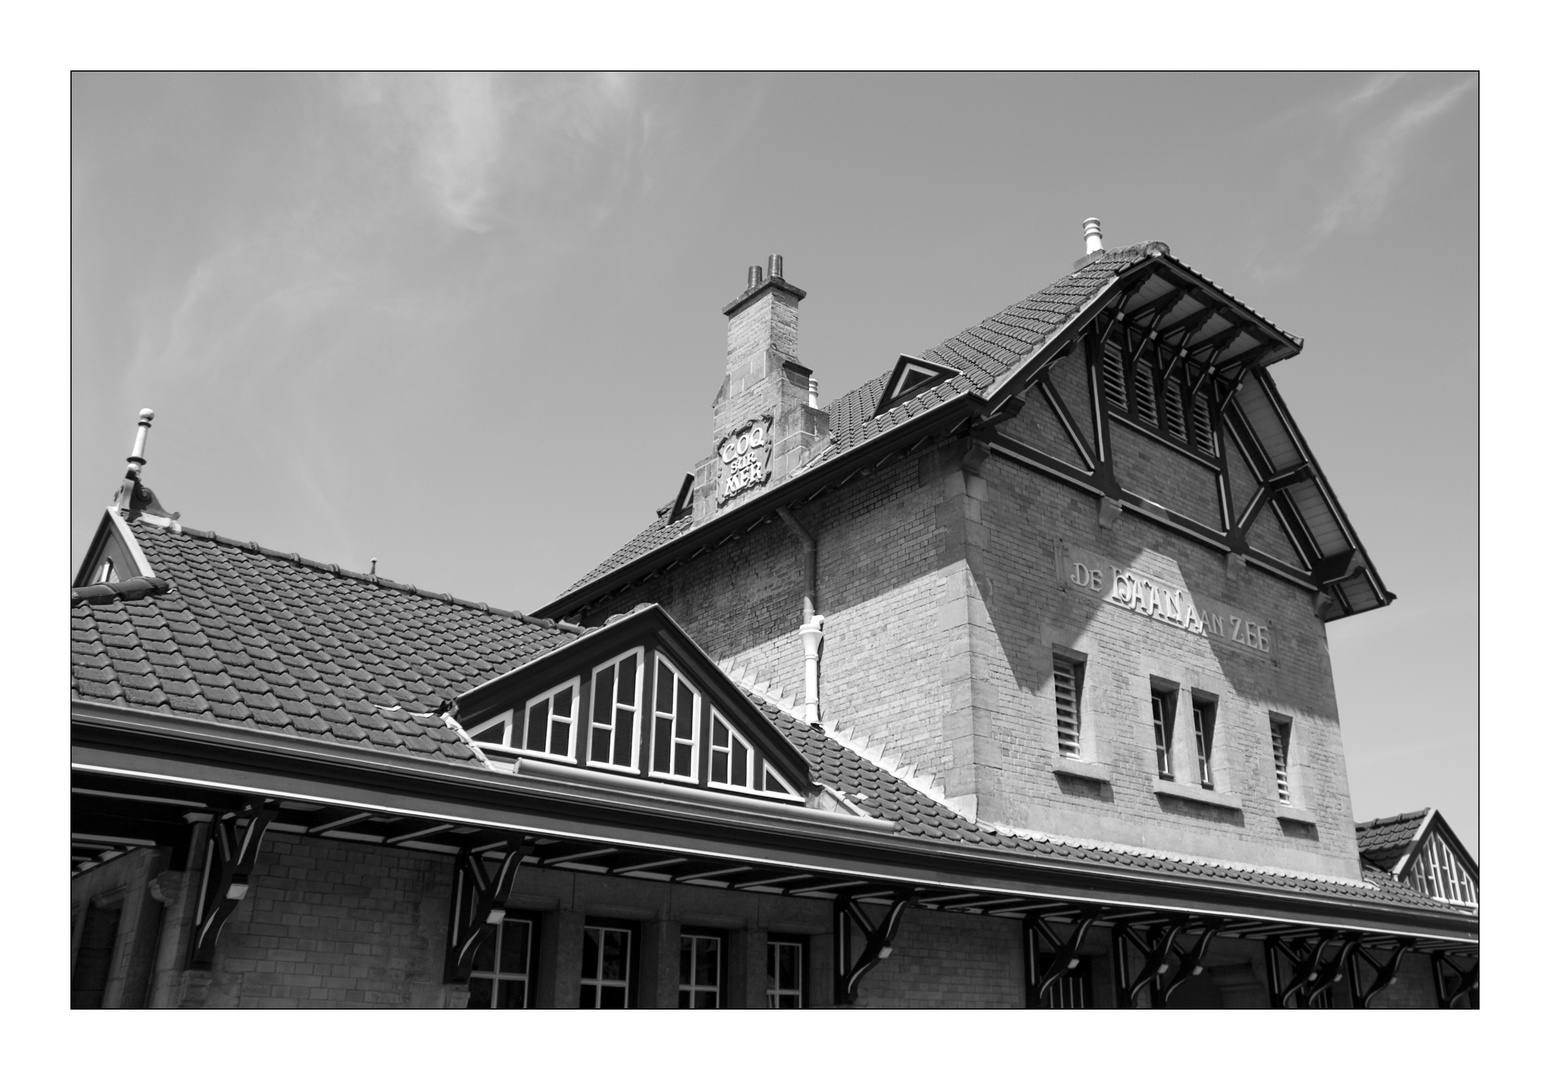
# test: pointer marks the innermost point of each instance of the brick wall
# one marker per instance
(946, 960)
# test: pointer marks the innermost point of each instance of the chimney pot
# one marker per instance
(812, 393)
(777, 270)
(1094, 235)
(755, 277)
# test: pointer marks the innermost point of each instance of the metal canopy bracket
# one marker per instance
(1065, 956)
(475, 899)
(1311, 973)
(1154, 948)
(848, 916)
(1384, 975)
(228, 865)
(1467, 985)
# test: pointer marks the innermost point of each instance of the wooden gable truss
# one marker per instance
(1171, 358)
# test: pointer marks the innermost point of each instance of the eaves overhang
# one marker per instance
(548, 800)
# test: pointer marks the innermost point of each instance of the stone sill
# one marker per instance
(1190, 793)
(1297, 814)
(1084, 770)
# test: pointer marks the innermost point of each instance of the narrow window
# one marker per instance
(731, 758)
(783, 969)
(699, 971)
(676, 736)
(1280, 739)
(1205, 732)
(499, 979)
(775, 785)
(106, 575)
(1068, 706)
(613, 733)
(1162, 731)
(606, 970)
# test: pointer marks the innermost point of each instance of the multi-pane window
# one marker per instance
(1439, 873)
(731, 758)
(1154, 393)
(550, 722)
(605, 967)
(783, 968)
(1205, 733)
(499, 979)
(1280, 743)
(1162, 731)
(615, 727)
(1068, 706)
(676, 720)
(699, 971)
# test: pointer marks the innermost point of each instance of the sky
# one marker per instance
(470, 326)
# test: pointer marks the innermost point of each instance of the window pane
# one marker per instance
(562, 702)
(616, 945)
(537, 725)
(514, 935)
(707, 962)
(685, 959)
(685, 722)
(624, 736)
(661, 758)
(718, 766)
(685, 999)
(513, 994)
(613, 997)
(484, 955)
(479, 992)
(626, 680)
(705, 999)
(720, 733)
(740, 765)
(589, 952)
(588, 996)
(559, 737)
(664, 688)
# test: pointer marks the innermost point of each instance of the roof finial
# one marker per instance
(374, 568)
(1094, 234)
(137, 458)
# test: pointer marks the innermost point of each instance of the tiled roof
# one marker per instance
(244, 635)
(882, 794)
(1383, 841)
(983, 353)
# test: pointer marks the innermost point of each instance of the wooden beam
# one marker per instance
(228, 865)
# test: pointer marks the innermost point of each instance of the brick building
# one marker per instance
(1000, 680)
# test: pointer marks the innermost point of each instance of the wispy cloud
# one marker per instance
(1381, 153)
(1343, 160)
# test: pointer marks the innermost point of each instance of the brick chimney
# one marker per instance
(766, 420)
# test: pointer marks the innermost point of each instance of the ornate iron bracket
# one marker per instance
(1311, 974)
(1191, 963)
(879, 941)
(1468, 980)
(476, 896)
(1155, 962)
(228, 864)
(1384, 975)
(1064, 958)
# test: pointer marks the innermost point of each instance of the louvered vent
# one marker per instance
(1114, 376)
(1146, 395)
(1278, 739)
(1068, 707)
(1205, 442)
(1173, 402)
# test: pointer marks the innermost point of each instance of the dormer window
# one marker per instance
(912, 376)
(638, 705)
(105, 574)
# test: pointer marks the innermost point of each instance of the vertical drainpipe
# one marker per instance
(811, 630)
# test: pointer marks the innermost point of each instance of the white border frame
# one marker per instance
(755, 761)
(633, 768)
(699, 709)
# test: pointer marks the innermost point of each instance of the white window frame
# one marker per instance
(775, 786)
(693, 776)
(639, 653)
(497, 976)
(1202, 715)
(735, 738)
(1164, 705)
(574, 686)
(773, 995)
(691, 987)
(598, 981)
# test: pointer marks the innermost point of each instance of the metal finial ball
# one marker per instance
(147, 414)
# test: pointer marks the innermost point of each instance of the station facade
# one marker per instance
(1001, 680)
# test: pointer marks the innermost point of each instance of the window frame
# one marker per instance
(1281, 757)
(694, 935)
(734, 739)
(573, 684)
(1203, 730)
(772, 995)
(631, 979)
(693, 775)
(1164, 707)
(495, 976)
(1076, 669)
(633, 768)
